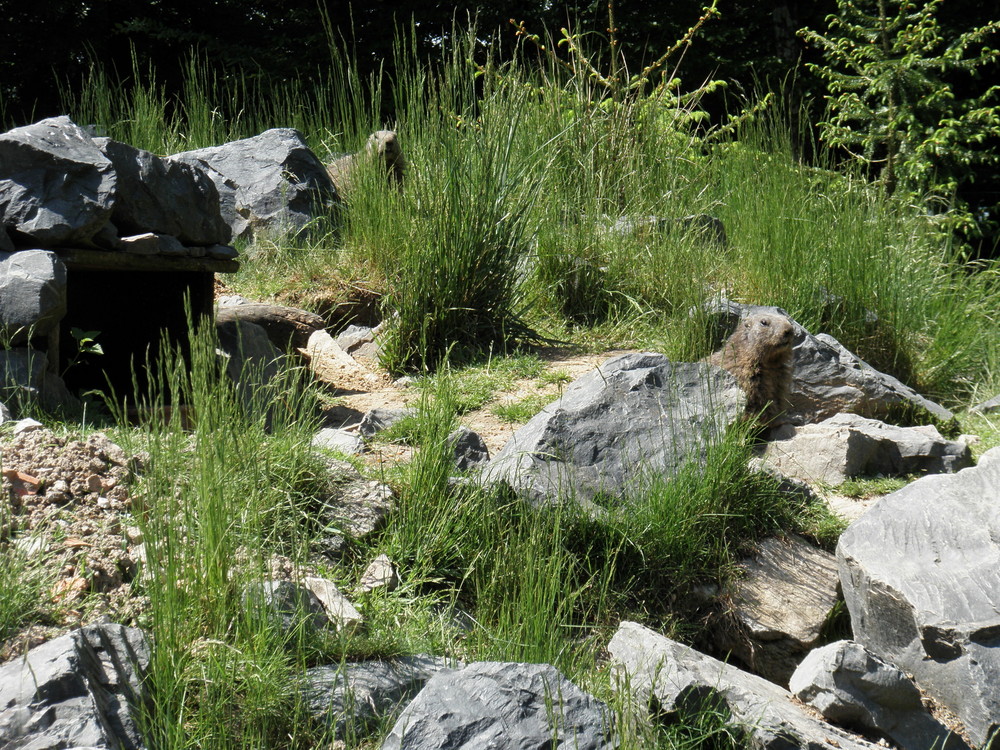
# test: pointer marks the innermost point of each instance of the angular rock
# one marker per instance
(380, 418)
(635, 415)
(354, 336)
(56, 187)
(82, 689)
(681, 682)
(851, 686)
(987, 407)
(165, 196)
(32, 295)
(341, 441)
(827, 379)
(270, 183)
(471, 451)
(288, 603)
(848, 445)
(147, 243)
(5, 413)
(24, 378)
(287, 327)
(779, 606)
(344, 616)
(22, 426)
(359, 508)
(920, 573)
(353, 699)
(252, 359)
(380, 574)
(329, 363)
(500, 706)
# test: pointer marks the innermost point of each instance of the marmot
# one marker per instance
(382, 146)
(759, 355)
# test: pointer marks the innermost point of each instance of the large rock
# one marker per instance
(84, 689)
(827, 379)
(920, 573)
(32, 294)
(164, 196)
(635, 415)
(851, 686)
(352, 699)
(252, 360)
(271, 182)
(848, 445)
(680, 682)
(500, 706)
(779, 606)
(25, 379)
(56, 187)
(287, 327)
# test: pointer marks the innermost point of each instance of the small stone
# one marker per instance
(134, 535)
(171, 246)
(341, 441)
(26, 425)
(222, 252)
(344, 616)
(380, 573)
(146, 243)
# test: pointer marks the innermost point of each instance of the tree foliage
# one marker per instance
(892, 73)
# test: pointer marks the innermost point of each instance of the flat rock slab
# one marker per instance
(679, 681)
(780, 604)
(635, 416)
(848, 445)
(57, 188)
(502, 706)
(920, 573)
(82, 689)
(851, 686)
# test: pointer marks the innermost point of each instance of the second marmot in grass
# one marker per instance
(383, 148)
(759, 355)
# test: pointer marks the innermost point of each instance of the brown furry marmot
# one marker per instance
(759, 355)
(383, 147)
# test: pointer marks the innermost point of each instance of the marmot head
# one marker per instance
(385, 144)
(770, 335)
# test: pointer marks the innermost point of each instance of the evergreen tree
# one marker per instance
(892, 75)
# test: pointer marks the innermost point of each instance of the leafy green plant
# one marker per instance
(894, 103)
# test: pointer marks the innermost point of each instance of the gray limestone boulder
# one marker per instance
(270, 183)
(252, 361)
(26, 379)
(83, 689)
(779, 606)
(502, 706)
(352, 699)
(635, 416)
(847, 445)
(32, 294)
(287, 327)
(851, 686)
(164, 196)
(920, 573)
(56, 187)
(678, 681)
(827, 379)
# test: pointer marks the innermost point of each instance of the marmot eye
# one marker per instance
(765, 322)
